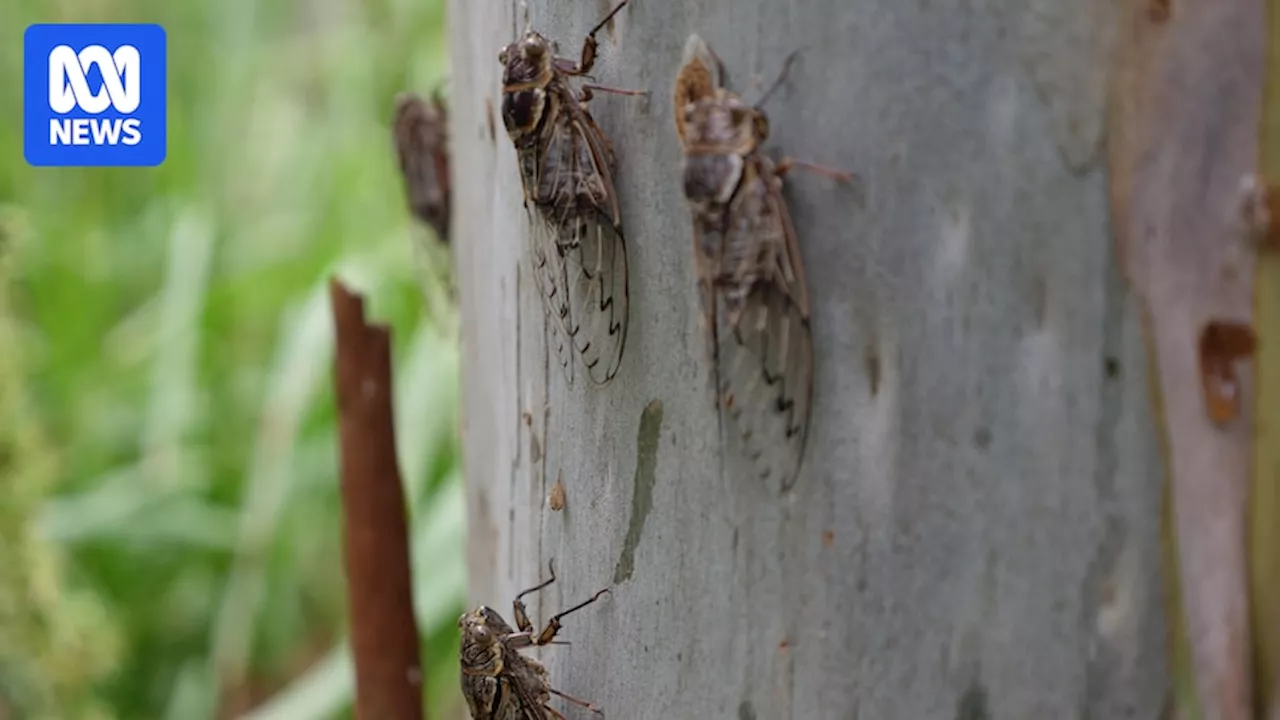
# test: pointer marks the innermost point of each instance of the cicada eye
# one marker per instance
(696, 187)
(502, 56)
(522, 110)
(688, 128)
(760, 125)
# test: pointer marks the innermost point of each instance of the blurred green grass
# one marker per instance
(168, 488)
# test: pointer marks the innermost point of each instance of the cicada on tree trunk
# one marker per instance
(421, 133)
(750, 273)
(577, 248)
(498, 682)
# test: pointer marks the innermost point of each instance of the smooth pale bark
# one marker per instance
(975, 533)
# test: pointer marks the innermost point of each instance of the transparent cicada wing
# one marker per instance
(580, 208)
(551, 276)
(596, 267)
(762, 338)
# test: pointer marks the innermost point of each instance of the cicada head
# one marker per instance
(699, 78)
(482, 633)
(527, 71)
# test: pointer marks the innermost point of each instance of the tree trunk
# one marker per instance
(975, 530)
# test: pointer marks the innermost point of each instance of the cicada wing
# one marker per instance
(491, 697)
(530, 707)
(764, 370)
(764, 344)
(526, 683)
(575, 174)
(500, 697)
(551, 276)
(705, 269)
(596, 264)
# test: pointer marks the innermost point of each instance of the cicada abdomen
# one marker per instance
(577, 246)
(750, 273)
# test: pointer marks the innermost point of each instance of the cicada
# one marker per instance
(577, 247)
(500, 683)
(421, 134)
(748, 265)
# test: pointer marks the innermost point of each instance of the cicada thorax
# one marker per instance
(567, 168)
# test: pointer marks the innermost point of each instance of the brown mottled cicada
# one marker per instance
(499, 682)
(421, 133)
(749, 269)
(577, 249)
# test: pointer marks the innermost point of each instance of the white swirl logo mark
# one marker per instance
(121, 79)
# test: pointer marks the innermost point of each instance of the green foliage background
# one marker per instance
(168, 491)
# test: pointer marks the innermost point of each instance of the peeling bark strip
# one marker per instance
(1184, 131)
(384, 633)
(1264, 495)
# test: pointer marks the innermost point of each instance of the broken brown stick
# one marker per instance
(375, 543)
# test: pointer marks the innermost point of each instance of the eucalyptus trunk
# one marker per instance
(975, 530)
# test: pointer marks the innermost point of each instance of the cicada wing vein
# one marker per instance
(597, 278)
(764, 344)
(530, 707)
(581, 208)
(551, 277)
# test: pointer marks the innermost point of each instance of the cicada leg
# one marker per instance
(553, 626)
(586, 95)
(577, 701)
(787, 164)
(554, 712)
(518, 608)
(589, 47)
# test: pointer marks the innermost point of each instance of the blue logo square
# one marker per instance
(94, 95)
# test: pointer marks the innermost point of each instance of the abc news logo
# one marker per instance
(69, 89)
(94, 95)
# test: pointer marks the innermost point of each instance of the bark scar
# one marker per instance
(642, 492)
